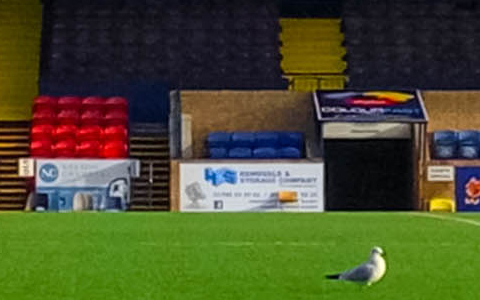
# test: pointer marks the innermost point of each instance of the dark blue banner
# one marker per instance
(467, 188)
(370, 106)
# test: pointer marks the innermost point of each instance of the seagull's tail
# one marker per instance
(336, 276)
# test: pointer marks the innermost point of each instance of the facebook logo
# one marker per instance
(217, 177)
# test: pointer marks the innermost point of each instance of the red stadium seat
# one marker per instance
(115, 149)
(93, 103)
(117, 103)
(44, 102)
(44, 117)
(116, 133)
(90, 133)
(89, 149)
(65, 132)
(91, 117)
(41, 148)
(42, 132)
(68, 117)
(116, 117)
(69, 103)
(65, 148)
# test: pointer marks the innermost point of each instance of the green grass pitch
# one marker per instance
(235, 255)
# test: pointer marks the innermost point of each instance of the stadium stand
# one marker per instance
(190, 44)
(412, 44)
(141, 49)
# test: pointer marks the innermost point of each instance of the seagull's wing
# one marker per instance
(361, 273)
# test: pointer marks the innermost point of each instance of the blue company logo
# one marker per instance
(217, 177)
(48, 173)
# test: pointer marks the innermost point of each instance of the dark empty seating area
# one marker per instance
(191, 44)
(412, 43)
(219, 44)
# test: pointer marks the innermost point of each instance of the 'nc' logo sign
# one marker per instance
(220, 176)
(48, 173)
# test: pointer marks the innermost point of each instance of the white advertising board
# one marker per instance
(229, 187)
(107, 181)
(82, 172)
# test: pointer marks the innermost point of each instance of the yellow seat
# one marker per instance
(319, 66)
(309, 23)
(442, 204)
(313, 53)
(295, 51)
(310, 83)
(296, 36)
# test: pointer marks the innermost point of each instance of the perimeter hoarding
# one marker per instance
(229, 187)
(467, 188)
(106, 182)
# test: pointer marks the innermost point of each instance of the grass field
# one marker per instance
(235, 256)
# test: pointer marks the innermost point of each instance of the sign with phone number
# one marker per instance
(206, 187)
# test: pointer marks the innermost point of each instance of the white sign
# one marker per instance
(206, 187)
(81, 172)
(68, 181)
(26, 167)
(440, 173)
(371, 130)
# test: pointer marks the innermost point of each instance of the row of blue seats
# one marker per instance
(274, 139)
(262, 144)
(264, 153)
(450, 144)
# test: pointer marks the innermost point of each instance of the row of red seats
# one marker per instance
(71, 149)
(71, 126)
(73, 117)
(83, 133)
(78, 103)
(73, 110)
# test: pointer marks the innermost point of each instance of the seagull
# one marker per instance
(367, 273)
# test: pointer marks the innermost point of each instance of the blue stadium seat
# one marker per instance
(267, 139)
(468, 141)
(289, 152)
(243, 139)
(240, 153)
(219, 139)
(217, 153)
(291, 139)
(445, 143)
(265, 152)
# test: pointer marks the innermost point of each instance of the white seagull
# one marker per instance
(367, 273)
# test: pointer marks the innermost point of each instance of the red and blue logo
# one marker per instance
(378, 99)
